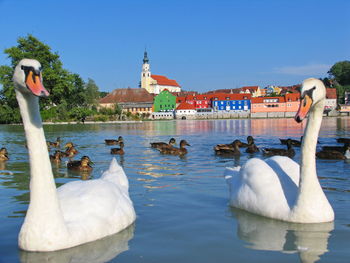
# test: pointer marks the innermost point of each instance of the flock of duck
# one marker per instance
(83, 211)
(327, 152)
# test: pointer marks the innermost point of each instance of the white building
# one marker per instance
(156, 83)
(185, 111)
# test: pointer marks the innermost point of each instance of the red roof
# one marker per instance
(185, 106)
(225, 96)
(164, 81)
(127, 95)
(331, 93)
(180, 99)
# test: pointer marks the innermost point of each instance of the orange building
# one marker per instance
(268, 104)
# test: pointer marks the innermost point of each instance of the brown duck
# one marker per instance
(56, 158)
(120, 150)
(55, 144)
(70, 151)
(343, 140)
(114, 142)
(229, 150)
(283, 152)
(341, 149)
(82, 165)
(335, 154)
(3, 154)
(174, 150)
(252, 148)
(295, 143)
(159, 145)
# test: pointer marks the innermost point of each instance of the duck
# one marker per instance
(3, 154)
(70, 151)
(278, 187)
(295, 143)
(83, 165)
(77, 212)
(341, 149)
(174, 150)
(159, 145)
(250, 141)
(55, 144)
(114, 142)
(229, 150)
(343, 140)
(120, 150)
(252, 148)
(282, 152)
(56, 157)
(333, 153)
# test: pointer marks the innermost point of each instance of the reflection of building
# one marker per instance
(131, 100)
(156, 83)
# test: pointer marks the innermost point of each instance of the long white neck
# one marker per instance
(311, 200)
(44, 213)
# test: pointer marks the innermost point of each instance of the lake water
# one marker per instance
(182, 203)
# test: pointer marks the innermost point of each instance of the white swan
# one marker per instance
(277, 187)
(77, 212)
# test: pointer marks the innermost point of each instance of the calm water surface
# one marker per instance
(182, 203)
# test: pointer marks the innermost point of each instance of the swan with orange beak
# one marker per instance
(29, 70)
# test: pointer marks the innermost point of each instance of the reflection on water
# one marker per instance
(309, 240)
(98, 251)
(179, 200)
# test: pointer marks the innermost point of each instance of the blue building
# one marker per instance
(231, 102)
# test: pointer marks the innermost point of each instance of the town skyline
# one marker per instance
(214, 45)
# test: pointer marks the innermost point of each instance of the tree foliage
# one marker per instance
(67, 90)
(341, 72)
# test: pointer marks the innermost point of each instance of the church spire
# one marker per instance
(145, 58)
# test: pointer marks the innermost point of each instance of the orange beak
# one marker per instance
(35, 85)
(304, 107)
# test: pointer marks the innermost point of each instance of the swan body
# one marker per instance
(278, 187)
(77, 212)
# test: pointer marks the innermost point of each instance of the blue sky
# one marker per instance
(204, 45)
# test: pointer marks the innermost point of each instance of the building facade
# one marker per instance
(156, 83)
(130, 100)
(185, 111)
(231, 102)
(164, 101)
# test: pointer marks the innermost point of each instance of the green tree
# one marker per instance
(340, 71)
(92, 93)
(64, 86)
(340, 78)
(118, 109)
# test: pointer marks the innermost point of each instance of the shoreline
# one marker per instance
(141, 121)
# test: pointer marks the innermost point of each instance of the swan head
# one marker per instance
(28, 78)
(312, 92)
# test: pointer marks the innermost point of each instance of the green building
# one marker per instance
(164, 101)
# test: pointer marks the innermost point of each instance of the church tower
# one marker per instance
(146, 74)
